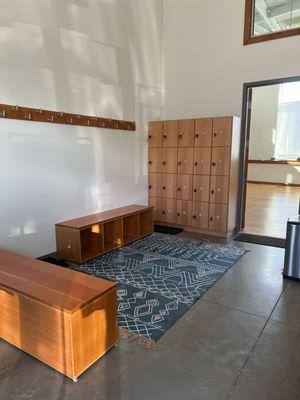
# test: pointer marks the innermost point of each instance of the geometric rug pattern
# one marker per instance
(159, 278)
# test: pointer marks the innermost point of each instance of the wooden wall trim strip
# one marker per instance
(275, 183)
(39, 115)
(274, 162)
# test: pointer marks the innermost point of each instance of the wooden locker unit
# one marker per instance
(186, 135)
(155, 134)
(155, 159)
(170, 133)
(203, 132)
(219, 186)
(222, 131)
(220, 160)
(168, 160)
(168, 186)
(218, 217)
(200, 215)
(185, 160)
(184, 212)
(203, 166)
(155, 182)
(201, 188)
(202, 160)
(185, 187)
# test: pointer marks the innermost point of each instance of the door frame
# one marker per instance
(245, 136)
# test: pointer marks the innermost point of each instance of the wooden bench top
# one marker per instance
(55, 286)
(98, 218)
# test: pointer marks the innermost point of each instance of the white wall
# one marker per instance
(206, 62)
(262, 139)
(85, 56)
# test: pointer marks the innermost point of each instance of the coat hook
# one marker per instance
(70, 121)
(39, 111)
(88, 122)
(95, 119)
(15, 108)
(61, 114)
(28, 116)
(51, 119)
(78, 116)
(2, 114)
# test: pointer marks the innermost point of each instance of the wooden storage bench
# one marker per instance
(62, 317)
(84, 238)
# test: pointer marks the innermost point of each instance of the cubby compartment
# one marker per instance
(113, 236)
(146, 222)
(91, 241)
(131, 229)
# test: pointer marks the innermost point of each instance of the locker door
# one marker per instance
(184, 212)
(169, 211)
(156, 203)
(169, 186)
(186, 135)
(155, 133)
(202, 160)
(203, 132)
(218, 217)
(220, 163)
(155, 184)
(185, 160)
(200, 215)
(219, 186)
(169, 161)
(222, 129)
(201, 188)
(155, 160)
(170, 133)
(185, 187)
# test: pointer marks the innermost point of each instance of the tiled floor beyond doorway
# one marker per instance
(268, 207)
(241, 341)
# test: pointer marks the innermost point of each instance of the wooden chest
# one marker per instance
(62, 317)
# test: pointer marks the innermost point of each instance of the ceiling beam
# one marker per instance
(262, 9)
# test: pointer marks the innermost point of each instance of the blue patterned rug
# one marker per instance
(159, 278)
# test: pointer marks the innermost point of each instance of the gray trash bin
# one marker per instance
(292, 249)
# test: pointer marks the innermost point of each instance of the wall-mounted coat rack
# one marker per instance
(39, 115)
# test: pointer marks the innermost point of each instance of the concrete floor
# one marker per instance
(240, 341)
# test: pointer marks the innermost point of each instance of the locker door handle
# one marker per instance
(196, 135)
(165, 136)
(179, 189)
(214, 164)
(195, 163)
(164, 188)
(150, 162)
(163, 212)
(178, 214)
(179, 162)
(150, 187)
(180, 136)
(215, 134)
(150, 137)
(164, 163)
(211, 218)
(194, 216)
(195, 190)
(212, 192)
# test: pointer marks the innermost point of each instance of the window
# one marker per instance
(287, 143)
(271, 19)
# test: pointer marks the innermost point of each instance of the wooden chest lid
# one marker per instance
(55, 286)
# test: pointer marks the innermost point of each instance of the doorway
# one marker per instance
(270, 179)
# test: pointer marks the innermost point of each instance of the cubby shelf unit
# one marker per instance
(82, 239)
